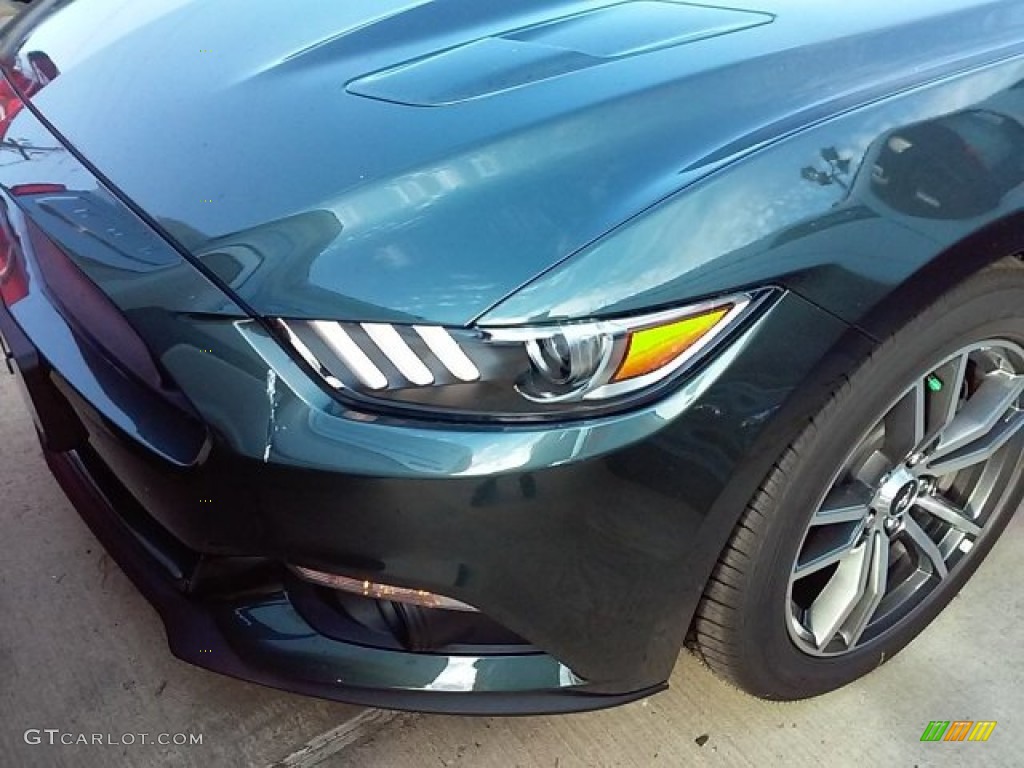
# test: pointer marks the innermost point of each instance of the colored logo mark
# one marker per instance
(959, 730)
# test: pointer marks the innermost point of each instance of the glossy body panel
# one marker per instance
(820, 153)
(843, 213)
(439, 212)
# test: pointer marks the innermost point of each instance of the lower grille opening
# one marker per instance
(178, 560)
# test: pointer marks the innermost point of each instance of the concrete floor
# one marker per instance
(81, 652)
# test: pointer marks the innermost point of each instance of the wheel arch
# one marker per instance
(952, 263)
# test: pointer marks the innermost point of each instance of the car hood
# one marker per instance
(410, 159)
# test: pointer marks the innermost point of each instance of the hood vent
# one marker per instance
(520, 57)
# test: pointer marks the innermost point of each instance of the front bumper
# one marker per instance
(599, 562)
(253, 631)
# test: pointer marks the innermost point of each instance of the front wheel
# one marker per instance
(883, 507)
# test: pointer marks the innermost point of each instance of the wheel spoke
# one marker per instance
(874, 591)
(836, 550)
(948, 513)
(923, 543)
(845, 592)
(905, 424)
(846, 504)
(835, 529)
(946, 462)
(875, 465)
(981, 423)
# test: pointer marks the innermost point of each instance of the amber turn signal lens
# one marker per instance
(652, 349)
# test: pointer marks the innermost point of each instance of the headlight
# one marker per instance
(562, 370)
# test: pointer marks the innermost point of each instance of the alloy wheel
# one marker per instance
(911, 501)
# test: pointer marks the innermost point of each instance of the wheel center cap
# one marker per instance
(904, 499)
(897, 493)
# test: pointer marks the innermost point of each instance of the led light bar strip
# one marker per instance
(398, 352)
(308, 356)
(395, 348)
(448, 352)
(341, 344)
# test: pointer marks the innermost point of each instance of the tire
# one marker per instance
(741, 628)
